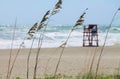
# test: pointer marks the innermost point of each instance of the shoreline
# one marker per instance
(57, 47)
(74, 60)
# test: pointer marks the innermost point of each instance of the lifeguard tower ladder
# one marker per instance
(90, 36)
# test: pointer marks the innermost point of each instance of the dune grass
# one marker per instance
(89, 75)
(102, 49)
(85, 76)
(9, 62)
(78, 22)
(44, 23)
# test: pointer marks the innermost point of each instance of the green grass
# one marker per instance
(85, 76)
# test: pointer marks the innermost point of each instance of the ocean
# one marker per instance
(55, 36)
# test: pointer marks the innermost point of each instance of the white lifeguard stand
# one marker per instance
(90, 36)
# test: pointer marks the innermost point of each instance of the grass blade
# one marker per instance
(13, 37)
(101, 52)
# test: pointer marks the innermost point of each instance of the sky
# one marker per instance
(30, 11)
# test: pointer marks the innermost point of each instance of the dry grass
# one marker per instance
(90, 74)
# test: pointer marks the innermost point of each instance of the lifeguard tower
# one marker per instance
(90, 36)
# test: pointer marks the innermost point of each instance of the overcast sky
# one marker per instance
(30, 11)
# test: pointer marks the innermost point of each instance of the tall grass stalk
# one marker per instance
(12, 66)
(79, 22)
(40, 42)
(92, 61)
(54, 11)
(41, 37)
(63, 48)
(37, 57)
(102, 49)
(18, 51)
(11, 49)
(89, 58)
(28, 58)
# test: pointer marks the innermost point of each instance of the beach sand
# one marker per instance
(74, 60)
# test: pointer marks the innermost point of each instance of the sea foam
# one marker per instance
(55, 36)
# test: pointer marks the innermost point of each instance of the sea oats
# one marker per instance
(44, 22)
(44, 19)
(65, 43)
(32, 30)
(57, 7)
(102, 49)
(81, 19)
